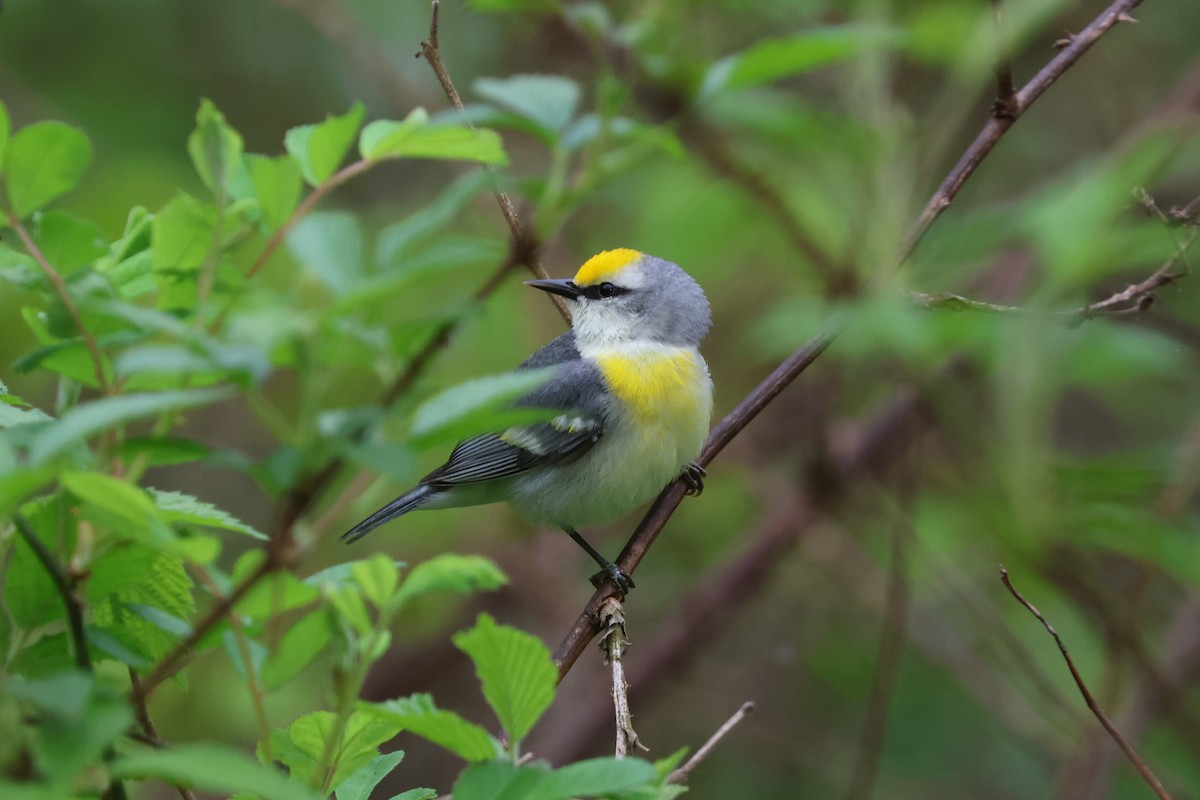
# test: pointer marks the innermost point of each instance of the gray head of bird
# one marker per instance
(623, 297)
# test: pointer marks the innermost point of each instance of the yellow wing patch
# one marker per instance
(603, 266)
(662, 386)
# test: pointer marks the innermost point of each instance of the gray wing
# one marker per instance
(558, 350)
(576, 388)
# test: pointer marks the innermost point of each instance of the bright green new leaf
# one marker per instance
(477, 406)
(771, 59)
(308, 737)
(87, 419)
(348, 603)
(498, 780)
(416, 794)
(276, 184)
(548, 101)
(450, 572)
(516, 671)
(215, 148)
(211, 768)
(377, 576)
(593, 778)
(360, 785)
(45, 160)
(67, 241)
(330, 243)
(183, 508)
(116, 497)
(300, 644)
(320, 148)
(5, 129)
(417, 137)
(445, 728)
(183, 234)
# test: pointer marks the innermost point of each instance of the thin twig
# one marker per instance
(613, 643)
(1147, 775)
(65, 587)
(60, 288)
(996, 127)
(524, 246)
(681, 775)
(150, 730)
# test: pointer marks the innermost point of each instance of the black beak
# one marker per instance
(560, 286)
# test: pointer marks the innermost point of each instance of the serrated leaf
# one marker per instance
(308, 735)
(215, 148)
(183, 234)
(445, 728)
(377, 576)
(593, 778)
(45, 161)
(516, 671)
(67, 241)
(417, 137)
(360, 785)
(548, 101)
(300, 644)
(117, 497)
(142, 599)
(179, 507)
(212, 768)
(331, 244)
(276, 184)
(87, 419)
(450, 572)
(320, 148)
(478, 405)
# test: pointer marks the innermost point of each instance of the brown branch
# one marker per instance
(996, 127)
(149, 729)
(681, 775)
(65, 587)
(60, 289)
(1147, 775)
(524, 245)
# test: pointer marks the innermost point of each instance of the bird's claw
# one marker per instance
(619, 578)
(693, 477)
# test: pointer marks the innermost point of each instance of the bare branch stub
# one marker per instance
(681, 775)
(1147, 775)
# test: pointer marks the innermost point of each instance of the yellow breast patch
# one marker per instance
(655, 385)
(603, 266)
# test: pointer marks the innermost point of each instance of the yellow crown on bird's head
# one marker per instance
(605, 266)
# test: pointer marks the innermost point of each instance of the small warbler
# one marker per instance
(636, 399)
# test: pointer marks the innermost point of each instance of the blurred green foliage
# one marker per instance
(213, 304)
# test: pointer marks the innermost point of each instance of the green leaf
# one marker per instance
(87, 419)
(331, 244)
(497, 780)
(771, 59)
(30, 594)
(67, 241)
(5, 129)
(320, 148)
(123, 500)
(516, 671)
(184, 508)
(360, 785)
(183, 234)
(211, 768)
(276, 184)
(477, 406)
(445, 728)
(215, 148)
(306, 741)
(45, 160)
(416, 794)
(303, 641)
(377, 576)
(450, 572)
(416, 137)
(142, 599)
(593, 778)
(11, 416)
(548, 101)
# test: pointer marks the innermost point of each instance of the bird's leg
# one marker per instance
(609, 570)
(693, 477)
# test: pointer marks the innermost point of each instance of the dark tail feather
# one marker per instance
(401, 505)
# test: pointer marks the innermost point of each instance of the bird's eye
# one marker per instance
(606, 290)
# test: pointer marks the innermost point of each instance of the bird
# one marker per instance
(635, 402)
